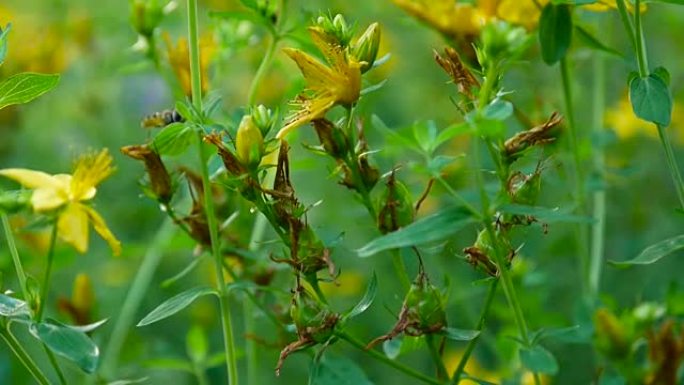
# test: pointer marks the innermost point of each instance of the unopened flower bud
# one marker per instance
(366, 47)
(397, 207)
(249, 144)
(160, 181)
(426, 308)
(145, 16)
(14, 201)
(332, 139)
(264, 118)
(335, 29)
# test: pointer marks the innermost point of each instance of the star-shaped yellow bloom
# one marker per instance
(67, 193)
(327, 86)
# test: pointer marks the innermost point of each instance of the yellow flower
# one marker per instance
(459, 19)
(179, 59)
(328, 86)
(67, 193)
(607, 5)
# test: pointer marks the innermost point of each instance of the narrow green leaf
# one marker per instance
(401, 345)
(173, 139)
(651, 99)
(12, 307)
(555, 32)
(175, 304)
(129, 382)
(373, 87)
(24, 87)
(337, 370)
(366, 300)
(460, 334)
(539, 360)
(69, 343)
(654, 253)
(592, 42)
(545, 214)
(432, 228)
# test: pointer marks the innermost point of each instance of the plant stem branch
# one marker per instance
(23, 357)
(196, 83)
(436, 357)
(599, 196)
(11, 244)
(388, 361)
(642, 58)
(48, 273)
(672, 162)
(455, 379)
(263, 66)
(581, 230)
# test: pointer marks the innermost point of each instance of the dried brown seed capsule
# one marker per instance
(459, 73)
(332, 139)
(535, 136)
(160, 181)
(397, 206)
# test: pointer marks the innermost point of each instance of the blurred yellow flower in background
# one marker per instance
(475, 369)
(626, 124)
(456, 19)
(327, 86)
(66, 193)
(349, 284)
(179, 60)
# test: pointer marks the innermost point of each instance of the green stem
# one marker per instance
(48, 273)
(196, 82)
(672, 162)
(581, 230)
(23, 357)
(627, 22)
(55, 365)
(388, 361)
(459, 198)
(135, 295)
(436, 357)
(455, 379)
(642, 60)
(11, 244)
(400, 269)
(599, 196)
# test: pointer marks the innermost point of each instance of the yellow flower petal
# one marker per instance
(90, 170)
(72, 226)
(308, 111)
(46, 199)
(30, 178)
(102, 229)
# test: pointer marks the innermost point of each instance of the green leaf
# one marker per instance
(592, 42)
(68, 342)
(663, 74)
(3, 42)
(175, 304)
(498, 109)
(337, 370)
(401, 345)
(460, 334)
(435, 227)
(129, 382)
(539, 360)
(24, 87)
(555, 32)
(12, 307)
(654, 253)
(451, 132)
(651, 99)
(545, 214)
(373, 87)
(366, 300)
(173, 139)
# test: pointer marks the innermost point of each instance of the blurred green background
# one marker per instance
(107, 87)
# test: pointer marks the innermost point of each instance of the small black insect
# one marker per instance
(161, 119)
